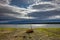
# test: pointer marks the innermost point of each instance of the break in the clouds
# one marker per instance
(37, 9)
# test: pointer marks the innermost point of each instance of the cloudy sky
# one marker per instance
(29, 11)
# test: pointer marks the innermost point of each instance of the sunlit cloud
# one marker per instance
(16, 12)
(43, 6)
(54, 17)
(8, 9)
(5, 1)
(20, 16)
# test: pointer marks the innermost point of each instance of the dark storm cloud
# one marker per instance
(44, 15)
(37, 10)
(4, 11)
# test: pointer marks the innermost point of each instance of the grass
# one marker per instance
(39, 34)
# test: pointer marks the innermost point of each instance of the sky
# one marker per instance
(29, 11)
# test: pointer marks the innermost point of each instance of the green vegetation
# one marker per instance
(20, 34)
